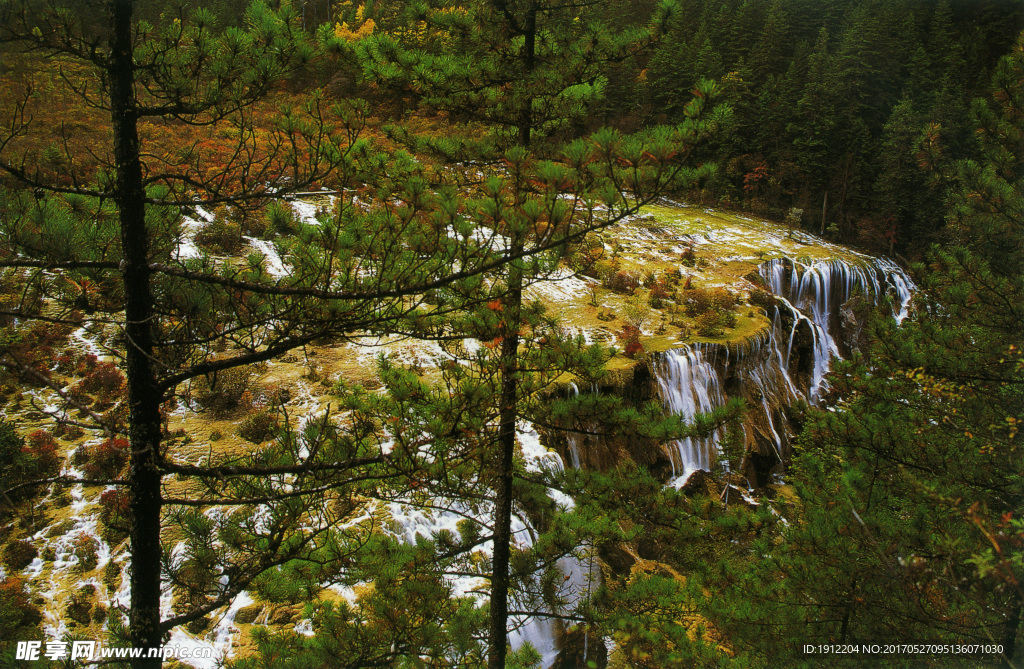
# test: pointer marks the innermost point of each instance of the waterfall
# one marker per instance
(765, 370)
(814, 292)
(689, 385)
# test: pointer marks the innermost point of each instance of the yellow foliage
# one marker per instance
(343, 31)
(352, 33)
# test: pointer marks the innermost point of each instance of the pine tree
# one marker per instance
(526, 71)
(769, 55)
(905, 202)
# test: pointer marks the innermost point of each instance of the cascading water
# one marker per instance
(693, 379)
(689, 385)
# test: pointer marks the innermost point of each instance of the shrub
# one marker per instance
(112, 576)
(220, 236)
(636, 311)
(20, 616)
(623, 282)
(225, 391)
(67, 431)
(66, 362)
(42, 448)
(701, 300)
(709, 324)
(105, 380)
(199, 625)
(659, 295)
(22, 462)
(603, 270)
(281, 219)
(630, 336)
(254, 226)
(105, 460)
(85, 548)
(36, 348)
(258, 427)
(114, 515)
(584, 256)
(762, 298)
(19, 554)
(79, 605)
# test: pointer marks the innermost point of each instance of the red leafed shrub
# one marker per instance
(623, 282)
(630, 336)
(36, 348)
(19, 554)
(85, 364)
(105, 381)
(702, 300)
(114, 510)
(65, 362)
(659, 295)
(86, 549)
(107, 459)
(633, 348)
(42, 448)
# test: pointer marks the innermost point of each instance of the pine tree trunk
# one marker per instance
(507, 417)
(143, 392)
(508, 412)
(824, 208)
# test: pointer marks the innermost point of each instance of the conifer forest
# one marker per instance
(552, 334)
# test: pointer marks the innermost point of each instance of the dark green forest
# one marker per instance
(829, 101)
(474, 150)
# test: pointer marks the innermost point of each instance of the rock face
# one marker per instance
(579, 649)
(637, 385)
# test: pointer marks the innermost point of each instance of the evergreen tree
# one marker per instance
(527, 71)
(769, 55)
(815, 122)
